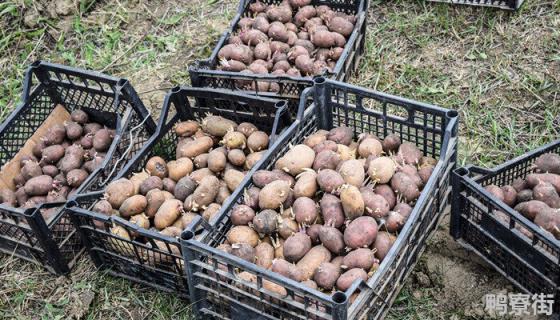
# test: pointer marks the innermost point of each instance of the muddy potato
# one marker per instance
(352, 201)
(156, 166)
(243, 234)
(383, 243)
(296, 160)
(266, 222)
(329, 180)
(312, 260)
(381, 170)
(363, 258)
(347, 278)
(296, 246)
(375, 205)
(152, 182)
(326, 275)
(273, 195)
(361, 232)
(332, 239)
(169, 211)
(305, 210)
(548, 163)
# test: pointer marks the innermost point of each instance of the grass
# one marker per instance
(500, 70)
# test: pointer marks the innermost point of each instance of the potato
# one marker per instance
(76, 177)
(273, 195)
(287, 227)
(212, 210)
(216, 161)
(312, 260)
(118, 191)
(549, 220)
(264, 254)
(403, 185)
(73, 130)
(315, 139)
(194, 148)
(140, 220)
(206, 192)
(409, 154)
(352, 201)
(288, 270)
(404, 209)
(375, 205)
(425, 172)
(152, 182)
(186, 128)
(306, 185)
(381, 170)
(383, 243)
(305, 210)
(332, 210)
(361, 232)
(332, 239)
(55, 135)
(238, 52)
(296, 160)
(394, 222)
(79, 116)
(242, 215)
(546, 193)
(326, 159)
(92, 128)
(412, 173)
(266, 222)
(9, 198)
(345, 152)
(370, 146)
(510, 195)
(234, 140)
(363, 258)
(281, 13)
(548, 163)
(184, 187)
(169, 211)
(39, 185)
(347, 278)
(386, 192)
(102, 140)
(341, 25)
(243, 234)
(296, 246)
(218, 126)
(103, 206)
(30, 170)
(236, 157)
(329, 180)
(326, 275)
(257, 141)
(243, 251)
(252, 159)
(352, 171)
(323, 38)
(251, 197)
(52, 154)
(177, 169)
(70, 162)
(233, 178)
(535, 178)
(201, 161)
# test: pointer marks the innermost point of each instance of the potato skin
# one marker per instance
(296, 246)
(352, 201)
(363, 258)
(133, 206)
(168, 212)
(332, 210)
(273, 195)
(312, 260)
(243, 234)
(305, 210)
(347, 278)
(326, 275)
(38, 186)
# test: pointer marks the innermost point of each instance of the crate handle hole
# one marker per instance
(187, 235)
(319, 80)
(281, 104)
(462, 172)
(452, 114)
(176, 89)
(339, 297)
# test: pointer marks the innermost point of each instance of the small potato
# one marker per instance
(305, 210)
(316, 138)
(352, 201)
(326, 159)
(370, 146)
(102, 140)
(332, 210)
(375, 205)
(394, 222)
(257, 141)
(409, 154)
(266, 222)
(361, 232)
(363, 258)
(243, 234)
(133, 206)
(242, 215)
(326, 275)
(296, 246)
(234, 140)
(177, 169)
(332, 239)
(76, 177)
(381, 170)
(296, 160)
(152, 182)
(206, 192)
(244, 251)
(216, 161)
(352, 171)
(79, 116)
(30, 170)
(233, 178)
(347, 278)
(39, 185)
(118, 191)
(169, 211)
(306, 185)
(405, 186)
(236, 157)
(383, 243)
(264, 254)
(218, 126)
(156, 166)
(186, 128)
(329, 181)
(288, 227)
(273, 195)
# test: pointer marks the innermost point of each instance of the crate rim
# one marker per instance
(187, 236)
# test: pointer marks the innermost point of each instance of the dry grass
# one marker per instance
(500, 70)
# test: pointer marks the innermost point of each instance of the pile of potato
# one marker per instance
(292, 38)
(330, 210)
(60, 162)
(536, 197)
(212, 159)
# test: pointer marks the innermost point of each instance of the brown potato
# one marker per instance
(76, 177)
(329, 181)
(206, 192)
(403, 185)
(312, 260)
(546, 193)
(332, 239)
(305, 210)
(352, 201)
(370, 146)
(242, 215)
(266, 222)
(326, 275)
(361, 232)
(332, 210)
(306, 184)
(375, 205)
(257, 141)
(102, 139)
(347, 278)
(296, 246)
(243, 234)
(381, 170)
(296, 160)
(264, 254)
(352, 171)
(383, 243)
(273, 195)
(39, 186)
(179, 168)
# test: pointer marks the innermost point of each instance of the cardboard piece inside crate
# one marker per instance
(12, 168)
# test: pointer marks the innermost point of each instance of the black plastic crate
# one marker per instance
(108, 100)
(530, 263)
(217, 292)
(147, 264)
(502, 4)
(203, 73)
